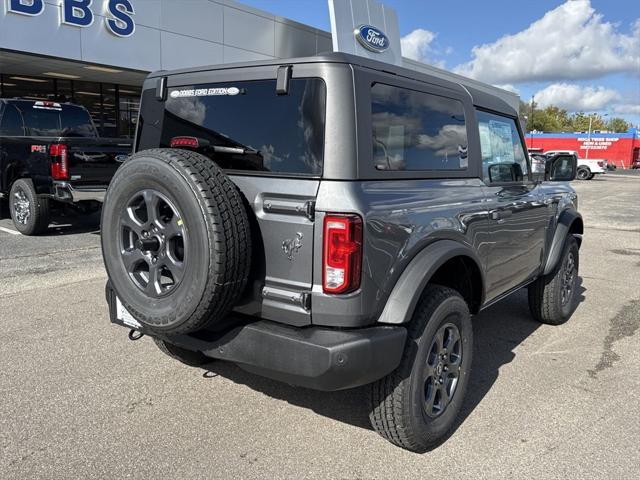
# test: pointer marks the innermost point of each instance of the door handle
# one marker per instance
(501, 214)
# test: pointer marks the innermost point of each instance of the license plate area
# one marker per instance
(124, 317)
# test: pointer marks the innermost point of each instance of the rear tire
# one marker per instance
(29, 212)
(552, 297)
(188, 357)
(410, 407)
(583, 173)
(175, 240)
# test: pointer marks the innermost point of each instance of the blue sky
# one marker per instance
(581, 54)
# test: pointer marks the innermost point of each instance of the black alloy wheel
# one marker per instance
(154, 243)
(569, 272)
(442, 370)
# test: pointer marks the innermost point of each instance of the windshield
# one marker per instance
(48, 119)
(262, 131)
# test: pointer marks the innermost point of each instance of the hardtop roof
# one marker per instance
(479, 97)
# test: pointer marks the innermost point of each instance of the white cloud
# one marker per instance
(417, 45)
(627, 109)
(571, 41)
(575, 98)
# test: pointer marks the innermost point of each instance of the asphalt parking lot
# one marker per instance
(79, 400)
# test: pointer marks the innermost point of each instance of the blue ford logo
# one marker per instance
(372, 38)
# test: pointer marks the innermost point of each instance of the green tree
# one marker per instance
(549, 119)
(618, 125)
(580, 122)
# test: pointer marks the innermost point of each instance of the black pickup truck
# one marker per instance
(51, 151)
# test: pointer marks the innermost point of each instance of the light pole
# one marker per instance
(531, 121)
(586, 156)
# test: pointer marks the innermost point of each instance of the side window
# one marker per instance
(562, 167)
(11, 125)
(417, 131)
(503, 157)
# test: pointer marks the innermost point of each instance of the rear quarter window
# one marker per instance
(280, 133)
(414, 130)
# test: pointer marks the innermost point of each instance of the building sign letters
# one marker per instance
(118, 18)
(596, 143)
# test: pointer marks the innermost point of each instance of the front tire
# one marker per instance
(415, 407)
(29, 212)
(552, 297)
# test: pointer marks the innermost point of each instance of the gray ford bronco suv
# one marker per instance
(333, 222)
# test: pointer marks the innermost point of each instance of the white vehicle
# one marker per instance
(587, 168)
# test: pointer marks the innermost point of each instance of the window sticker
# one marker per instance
(501, 142)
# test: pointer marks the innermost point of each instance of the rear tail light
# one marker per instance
(59, 161)
(182, 142)
(342, 253)
(601, 164)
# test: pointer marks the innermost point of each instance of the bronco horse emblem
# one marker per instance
(291, 246)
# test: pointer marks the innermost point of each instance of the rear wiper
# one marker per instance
(234, 150)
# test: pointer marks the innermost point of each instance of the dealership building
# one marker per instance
(621, 149)
(97, 53)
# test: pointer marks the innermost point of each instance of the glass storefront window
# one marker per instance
(114, 108)
(27, 87)
(109, 111)
(88, 95)
(129, 106)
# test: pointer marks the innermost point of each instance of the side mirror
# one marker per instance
(561, 168)
(505, 173)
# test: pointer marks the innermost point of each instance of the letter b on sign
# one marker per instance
(77, 12)
(26, 7)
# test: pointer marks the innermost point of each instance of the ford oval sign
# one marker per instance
(372, 38)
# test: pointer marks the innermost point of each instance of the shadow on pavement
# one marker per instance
(498, 330)
(72, 223)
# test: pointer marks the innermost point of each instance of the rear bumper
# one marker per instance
(314, 357)
(65, 192)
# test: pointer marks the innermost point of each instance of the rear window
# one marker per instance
(278, 133)
(11, 124)
(55, 120)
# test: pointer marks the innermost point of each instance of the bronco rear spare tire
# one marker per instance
(175, 240)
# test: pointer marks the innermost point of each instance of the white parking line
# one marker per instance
(8, 230)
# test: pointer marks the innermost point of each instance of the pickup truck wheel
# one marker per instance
(415, 407)
(188, 357)
(552, 297)
(175, 240)
(30, 212)
(583, 173)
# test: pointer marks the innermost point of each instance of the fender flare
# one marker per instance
(408, 289)
(563, 227)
